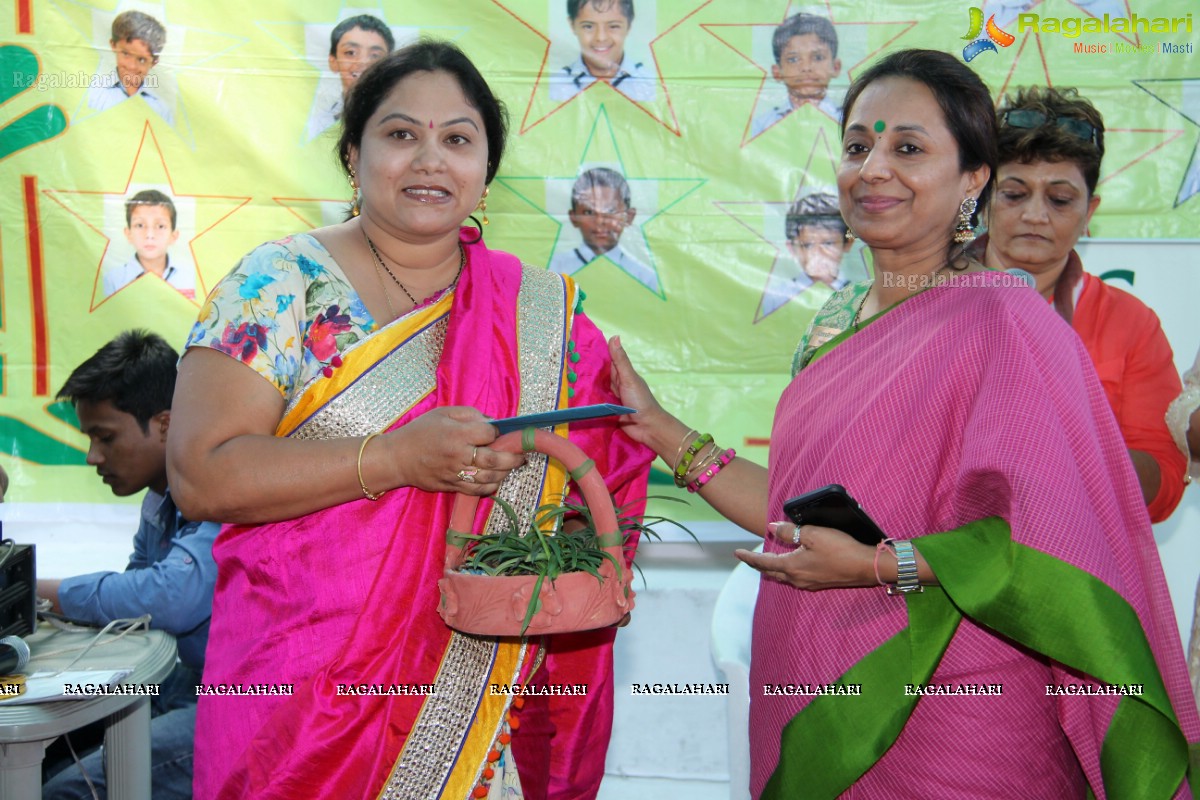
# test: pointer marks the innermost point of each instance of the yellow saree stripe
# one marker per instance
(359, 360)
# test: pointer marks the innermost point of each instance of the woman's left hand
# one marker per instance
(822, 558)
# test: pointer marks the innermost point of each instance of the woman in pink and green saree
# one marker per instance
(333, 400)
(1025, 645)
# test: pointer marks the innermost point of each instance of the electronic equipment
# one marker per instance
(18, 589)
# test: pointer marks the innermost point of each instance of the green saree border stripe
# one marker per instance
(853, 732)
(1021, 593)
(1076, 619)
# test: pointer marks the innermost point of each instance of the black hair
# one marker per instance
(817, 210)
(135, 372)
(426, 55)
(964, 99)
(367, 23)
(600, 176)
(800, 24)
(626, 7)
(129, 26)
(148, 197)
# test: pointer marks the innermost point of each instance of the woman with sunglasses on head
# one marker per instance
(1051, 143)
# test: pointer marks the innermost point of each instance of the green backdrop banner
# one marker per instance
(234, 127)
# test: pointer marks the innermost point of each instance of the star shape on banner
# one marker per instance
(310, 44)
(102, 213)
(647, 90)
(651, 196)
(187, 49)
(1181, 95)
(752, 41)
(766, 219)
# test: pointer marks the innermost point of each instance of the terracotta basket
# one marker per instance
(496, 605)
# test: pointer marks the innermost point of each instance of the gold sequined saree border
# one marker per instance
(446, 751)
(397, 363)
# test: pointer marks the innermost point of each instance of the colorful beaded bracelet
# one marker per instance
(712, 471)
(685, 464)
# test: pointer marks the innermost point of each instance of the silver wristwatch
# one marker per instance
(906, 569)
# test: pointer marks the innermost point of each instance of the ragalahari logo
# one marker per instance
(992, 36)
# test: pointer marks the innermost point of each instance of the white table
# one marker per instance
(26, 730)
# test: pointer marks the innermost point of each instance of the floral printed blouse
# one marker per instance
(287, 310)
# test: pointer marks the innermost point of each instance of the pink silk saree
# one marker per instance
(347, 596)
(969, 419)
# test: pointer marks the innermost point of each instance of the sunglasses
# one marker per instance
(1028, 118)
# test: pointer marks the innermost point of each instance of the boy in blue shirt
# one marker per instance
(601, 27)
(150, 220)
(137, 41)
(805, 48)
(355, 44)
(601, 210)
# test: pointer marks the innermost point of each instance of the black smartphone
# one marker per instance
(833, 507)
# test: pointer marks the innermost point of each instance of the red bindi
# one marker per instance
(430, 124)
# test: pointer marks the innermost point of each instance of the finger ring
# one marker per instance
(796, 537)
(467, 475)
(474, 450)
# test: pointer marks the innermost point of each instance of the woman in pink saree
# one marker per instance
(1025, 644)
(333, 399)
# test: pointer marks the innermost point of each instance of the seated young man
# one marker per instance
(600, 209)
(137, 41)
(355, 44)
(150, 226)
(122, 396)
(601, 27)
(805, 48)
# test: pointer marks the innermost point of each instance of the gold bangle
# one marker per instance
(702, 464)
(682, 445)
(367, 492)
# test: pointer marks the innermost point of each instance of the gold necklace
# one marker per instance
(379, 265)
(863, 302)
(383, 286)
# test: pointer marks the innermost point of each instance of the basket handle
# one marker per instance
(582, 471)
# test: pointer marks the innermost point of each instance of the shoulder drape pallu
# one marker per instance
(970, 420)
(348, 595)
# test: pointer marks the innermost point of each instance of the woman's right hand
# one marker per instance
(434, 451)
(650, 424)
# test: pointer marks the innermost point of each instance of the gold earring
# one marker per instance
(850, 237)
(482, 205)
(963, 232)
(355, 196)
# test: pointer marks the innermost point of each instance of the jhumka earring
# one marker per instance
(850, 237)
(482, 206)
(963, 232)
(355, 196)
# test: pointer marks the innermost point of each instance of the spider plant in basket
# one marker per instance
(561, 539)
(496, 584)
